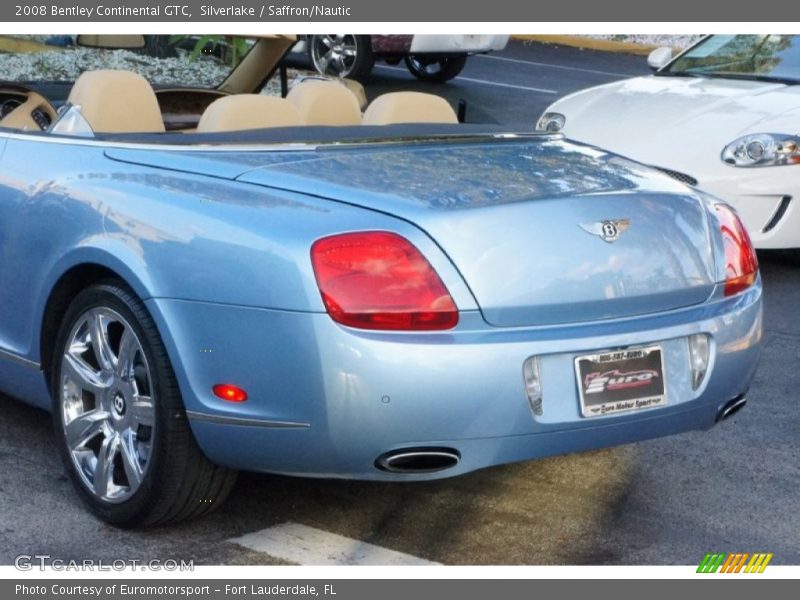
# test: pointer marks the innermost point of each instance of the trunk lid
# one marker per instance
(523, 223)
(520, 219)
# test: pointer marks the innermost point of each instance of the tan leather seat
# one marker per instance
(408, 107)
(323, 102)
(248, 111)
(117, 102)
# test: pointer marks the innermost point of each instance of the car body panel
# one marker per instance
(527, 199)
(471, 43)
(501, 184)
(217, 243)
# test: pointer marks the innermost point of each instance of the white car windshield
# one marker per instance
(757, 57)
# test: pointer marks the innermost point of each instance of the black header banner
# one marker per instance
(348, 11)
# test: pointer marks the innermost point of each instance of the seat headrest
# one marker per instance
(408, 107)
(117, 102)
(248, 111)
(322, 102)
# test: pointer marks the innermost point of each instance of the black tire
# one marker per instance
(435, 70)
(342, 55)
(177, 481)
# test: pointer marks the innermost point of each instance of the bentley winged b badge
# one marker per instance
(608, 231)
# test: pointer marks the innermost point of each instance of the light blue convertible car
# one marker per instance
(201, 281)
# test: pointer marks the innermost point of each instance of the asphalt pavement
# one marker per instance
(733, 488)
(514, 86)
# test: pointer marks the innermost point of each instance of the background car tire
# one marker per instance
(341, 55)
(176, 481)
(435, 70)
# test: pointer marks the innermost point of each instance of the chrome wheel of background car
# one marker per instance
(107, 404)
(342, 55)
(435, 69)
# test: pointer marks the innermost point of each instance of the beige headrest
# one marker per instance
(117, 102)
(408, 107)
(323, 102)
(248, 111)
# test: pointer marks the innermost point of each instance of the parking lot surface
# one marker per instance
(668, 501)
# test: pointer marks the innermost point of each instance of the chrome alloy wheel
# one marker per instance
(107, 404)
(334, 54)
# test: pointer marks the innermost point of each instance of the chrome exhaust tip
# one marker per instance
(418, 460)
(731, 408)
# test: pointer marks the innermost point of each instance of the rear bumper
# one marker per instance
(327, 401)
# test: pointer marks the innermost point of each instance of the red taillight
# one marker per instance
(228, 392)
(379, 280)
(741, 264)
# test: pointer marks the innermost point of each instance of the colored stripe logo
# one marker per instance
(739, 562)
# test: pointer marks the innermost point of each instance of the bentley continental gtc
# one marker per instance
(200, 277)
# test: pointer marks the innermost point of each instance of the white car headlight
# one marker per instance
(763, 150)
(551, 122)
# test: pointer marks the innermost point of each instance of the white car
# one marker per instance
(723, 116)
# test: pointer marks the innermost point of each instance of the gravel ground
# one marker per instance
(67, 63)
(675, 41)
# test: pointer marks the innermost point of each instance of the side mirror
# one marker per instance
(659, 57)
(112, 42)
(71, 122)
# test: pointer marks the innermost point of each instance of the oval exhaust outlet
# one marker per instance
(418, 460)
(731, 408)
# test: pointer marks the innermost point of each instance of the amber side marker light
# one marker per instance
(229, 393)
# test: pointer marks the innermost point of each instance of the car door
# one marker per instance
(6, 224)
(26, 226)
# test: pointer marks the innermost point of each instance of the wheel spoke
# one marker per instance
(104, 469)
(84, 427)
(349, 52)
(326, 41)
(83, 374)
(126, 355)
(325, 61)
(98, 330)
(143, 411)
(130, 463)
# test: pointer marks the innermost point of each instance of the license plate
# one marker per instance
(620, 380)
